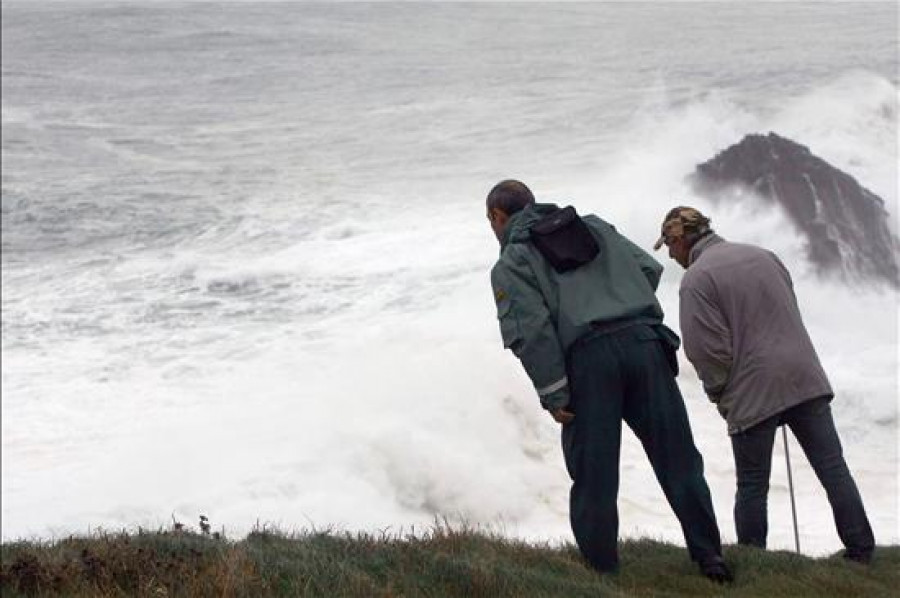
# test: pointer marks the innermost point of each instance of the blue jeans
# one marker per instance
(813, 426)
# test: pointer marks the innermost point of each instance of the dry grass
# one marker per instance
(440, 562)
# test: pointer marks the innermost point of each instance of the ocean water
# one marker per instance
(245, 259)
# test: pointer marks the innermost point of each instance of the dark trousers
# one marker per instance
(626, 376)
(813, 426)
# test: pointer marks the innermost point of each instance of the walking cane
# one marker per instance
(787, 458)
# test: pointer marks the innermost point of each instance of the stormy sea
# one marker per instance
(245, 256)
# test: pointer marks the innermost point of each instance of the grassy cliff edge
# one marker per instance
(440, 562)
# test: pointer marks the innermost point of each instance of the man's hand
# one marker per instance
(561, 415)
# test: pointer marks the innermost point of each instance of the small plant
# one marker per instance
(204, 525)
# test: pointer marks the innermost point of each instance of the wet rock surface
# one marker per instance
(846, 225)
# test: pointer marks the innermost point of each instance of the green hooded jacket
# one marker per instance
(543, 312)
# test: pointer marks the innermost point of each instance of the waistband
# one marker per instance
(599, 329)
(604, 328)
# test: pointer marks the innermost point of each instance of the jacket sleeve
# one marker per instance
(527, 329)
(706, 338)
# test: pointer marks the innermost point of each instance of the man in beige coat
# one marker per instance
(743, 332)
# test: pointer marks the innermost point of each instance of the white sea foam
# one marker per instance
(287, 317)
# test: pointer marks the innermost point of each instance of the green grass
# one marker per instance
(441, 562)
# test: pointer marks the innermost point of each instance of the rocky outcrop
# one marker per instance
(846, 224)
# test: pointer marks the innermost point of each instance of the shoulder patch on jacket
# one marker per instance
(499, 294)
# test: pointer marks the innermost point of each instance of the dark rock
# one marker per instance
(846, 225)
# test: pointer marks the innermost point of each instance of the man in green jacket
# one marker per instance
(576, 304)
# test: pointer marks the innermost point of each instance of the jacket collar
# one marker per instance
(701, 246)
(511, 224)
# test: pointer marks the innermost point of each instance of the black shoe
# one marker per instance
(716, 570)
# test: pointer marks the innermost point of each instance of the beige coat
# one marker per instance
(742, 330)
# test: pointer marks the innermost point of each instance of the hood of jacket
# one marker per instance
(518, 229)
